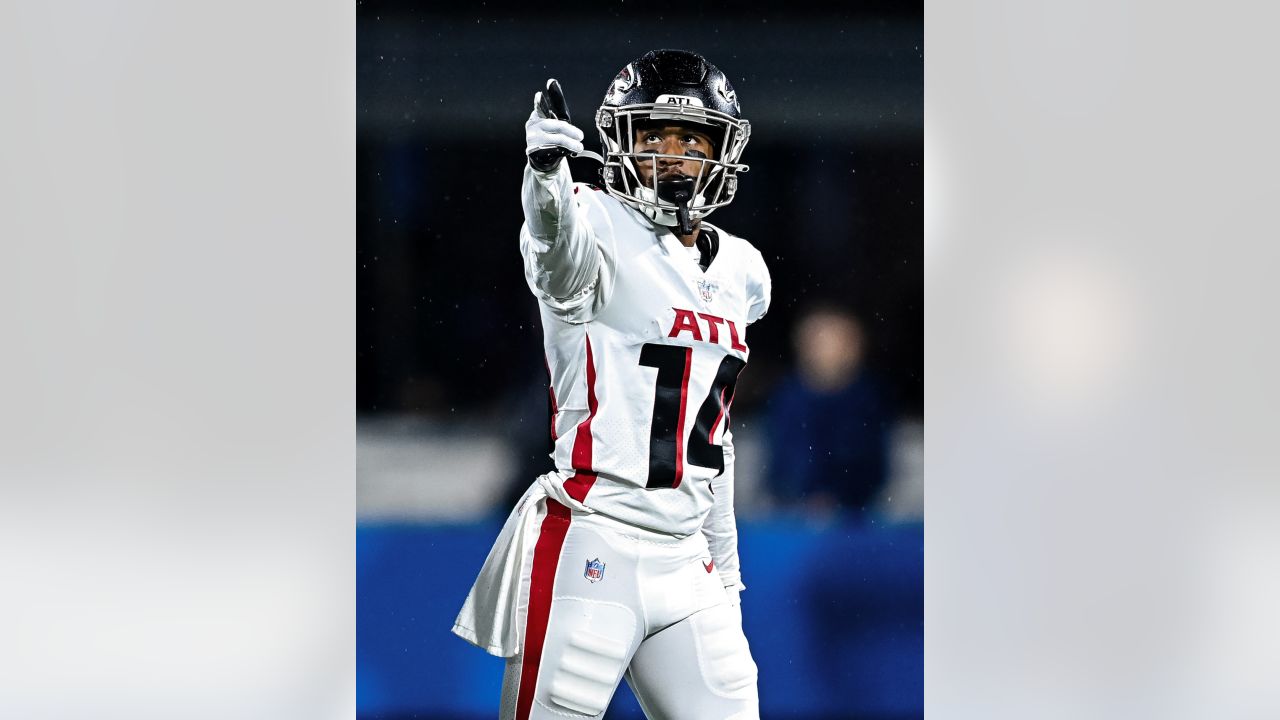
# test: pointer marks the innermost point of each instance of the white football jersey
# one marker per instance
(644, 349)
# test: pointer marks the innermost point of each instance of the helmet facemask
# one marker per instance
(716, 181)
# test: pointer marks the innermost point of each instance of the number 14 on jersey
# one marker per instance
(670, 444)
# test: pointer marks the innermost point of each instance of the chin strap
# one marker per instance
(679, 192)
(682, 218)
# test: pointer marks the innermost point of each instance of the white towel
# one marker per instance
(492, 618)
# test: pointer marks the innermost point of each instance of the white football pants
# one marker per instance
(608, 600)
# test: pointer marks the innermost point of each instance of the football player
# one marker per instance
(623, 560)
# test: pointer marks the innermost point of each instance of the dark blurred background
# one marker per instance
(451, 387)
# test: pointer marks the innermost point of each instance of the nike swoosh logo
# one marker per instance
(709, 566)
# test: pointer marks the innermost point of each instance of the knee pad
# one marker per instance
(723, 654)
(593, 645)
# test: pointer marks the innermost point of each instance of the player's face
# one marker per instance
(671, 139)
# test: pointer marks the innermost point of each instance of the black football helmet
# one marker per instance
(679, 86)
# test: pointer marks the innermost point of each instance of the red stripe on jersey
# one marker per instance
(684, 396)
(582, 443)
(555, 410)
(551, 390)
(719, 417)
(546, 557)
(579, 485)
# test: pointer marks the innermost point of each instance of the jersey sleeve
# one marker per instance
(759, 288)
(567, 244)
(721, 526)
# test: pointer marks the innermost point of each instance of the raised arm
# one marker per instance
(566, 238)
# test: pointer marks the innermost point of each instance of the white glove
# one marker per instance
(548, 134)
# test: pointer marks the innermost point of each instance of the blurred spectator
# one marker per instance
(828, 419)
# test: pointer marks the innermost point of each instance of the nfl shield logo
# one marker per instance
(595, 570)
(706, 290)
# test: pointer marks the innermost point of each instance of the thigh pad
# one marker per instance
(585, 654)
(723, 654)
